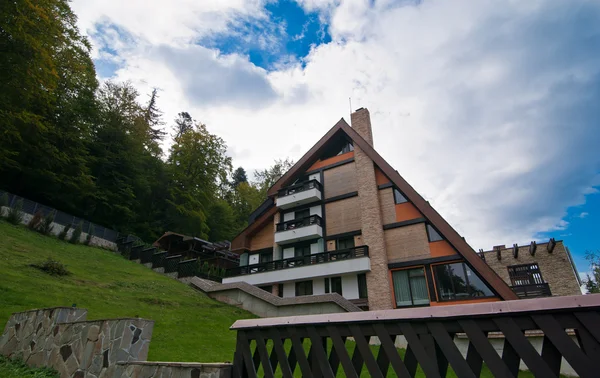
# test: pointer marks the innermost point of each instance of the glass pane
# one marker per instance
(302, 214)
(326, 285)
(398, 197)
(418, 287)
(401, 288)
(336, 285)
(451, 281)
(345, 243)
(477, 287)
(362, 285)
(433, 234)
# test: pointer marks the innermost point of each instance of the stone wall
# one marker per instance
(58, 228)
(62, 339)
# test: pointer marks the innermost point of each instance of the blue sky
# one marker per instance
(490, 112)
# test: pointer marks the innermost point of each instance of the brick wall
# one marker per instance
(265, 238)
(407, 243)
(343, 216)
(340, 180)
(387, 205)
(378, 285)
(555, 267)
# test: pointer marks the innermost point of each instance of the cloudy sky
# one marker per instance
(490, 109)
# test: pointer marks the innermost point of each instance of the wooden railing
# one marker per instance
(266, 346)
(294, 262)
(532, 291)
(297, 223)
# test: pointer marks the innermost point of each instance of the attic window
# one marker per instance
(398, 197)
(339, 146)
(433, 234)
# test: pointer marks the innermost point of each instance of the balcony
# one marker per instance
(299, 194)
(345, 261)
(299, 229)
(532, 290)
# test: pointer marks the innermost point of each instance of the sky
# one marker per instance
(490, 109)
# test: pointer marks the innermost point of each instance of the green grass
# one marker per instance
(189, 326)
(17, 369)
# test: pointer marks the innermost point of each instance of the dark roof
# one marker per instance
(433, 217)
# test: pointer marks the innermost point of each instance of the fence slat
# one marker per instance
(485, 348)
(427, 363)
(339, 346)
(286, 370)
(264, 355)
(447, 346)
(299, 353)
(367, 355)
(391, 352)
(244, 344)
(551, 356)
(320, 354)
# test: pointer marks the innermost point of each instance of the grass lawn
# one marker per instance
(189, 326)
(17, 369)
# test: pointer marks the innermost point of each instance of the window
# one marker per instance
(433, 234)
(266, 257)
(345, 243)
(302, 250)
(362, 286)
(525, 274)
(280, 290)
(304, 288)
(458, 281)
(267, 288)
(347, 148)
(302, 214)
(410, 287)
(333, 285)
(398, 197)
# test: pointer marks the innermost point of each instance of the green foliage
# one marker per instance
(16, 368)
(63, 234)
(46, 225)
(15, 215)
(90, 234)
(592, 283)
(52, 267)
(35, 221)
(205, 268)
(76, 235)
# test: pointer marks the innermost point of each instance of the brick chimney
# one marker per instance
(361, 122)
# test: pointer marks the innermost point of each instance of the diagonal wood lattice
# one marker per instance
(329, 345)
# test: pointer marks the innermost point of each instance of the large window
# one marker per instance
(333, 285)
(345, 243)
(266, 257)
(302, 214)
(410, 287)
(302, 250)
(458, 281)
(362, 286)
(304, 288)
(525, 274)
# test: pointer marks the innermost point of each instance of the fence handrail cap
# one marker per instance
(441, 312)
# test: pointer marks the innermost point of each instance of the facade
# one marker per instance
(535, 270)
(342, 220)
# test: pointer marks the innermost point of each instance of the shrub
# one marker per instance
(76, 235)
(205, 268)
(88, 238)
(52, 267)
(64, 232)
(35, 221)
(15, 216)
(46, 225)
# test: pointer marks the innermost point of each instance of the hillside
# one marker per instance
(189, 325)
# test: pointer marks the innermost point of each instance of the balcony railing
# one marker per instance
(532, 291)
(300, 187)
(297, 223)
(293, 262)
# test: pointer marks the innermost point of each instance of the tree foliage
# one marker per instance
(96, 151)
(592, 282)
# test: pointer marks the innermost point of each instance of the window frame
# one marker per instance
(296, 212)
(337, 242)
(429, 228)
(312, 290)
(410, 289)
(436, 280)
(360, 290)
(513, 275)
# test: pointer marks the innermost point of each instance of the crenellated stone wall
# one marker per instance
(61, 338)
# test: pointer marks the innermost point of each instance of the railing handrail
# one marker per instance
(319, 221)
(316, 258)
(299, 185)
(421, 314)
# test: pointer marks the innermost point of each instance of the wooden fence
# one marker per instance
(279, 346)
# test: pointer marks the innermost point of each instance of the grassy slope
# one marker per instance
(189, 325)
(17, 369)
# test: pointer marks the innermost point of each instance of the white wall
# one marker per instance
(315, 176)
(289, 289)
(350, 286)
(254, 258)
(316, 210)
(319, 286)
(288, 216)
(288, 253)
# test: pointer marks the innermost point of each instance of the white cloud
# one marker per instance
(488, 111)
(583, 215)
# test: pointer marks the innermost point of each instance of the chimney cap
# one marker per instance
(358, 109)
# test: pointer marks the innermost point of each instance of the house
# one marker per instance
(190, 247)
(342, 220)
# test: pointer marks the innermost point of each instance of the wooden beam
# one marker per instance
(551, 245)
(532, 248)
(515, 250)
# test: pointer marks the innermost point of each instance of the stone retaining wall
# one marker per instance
(61, 338)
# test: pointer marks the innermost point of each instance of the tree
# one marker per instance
(238, 177)
(183, 123)
(197, 165)
(153, 118)
(592, 284)
(267, 177)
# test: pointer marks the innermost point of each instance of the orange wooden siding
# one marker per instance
(380, 177)
(332, 160)
(406, 211)
(464, 301)
(442, 248)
